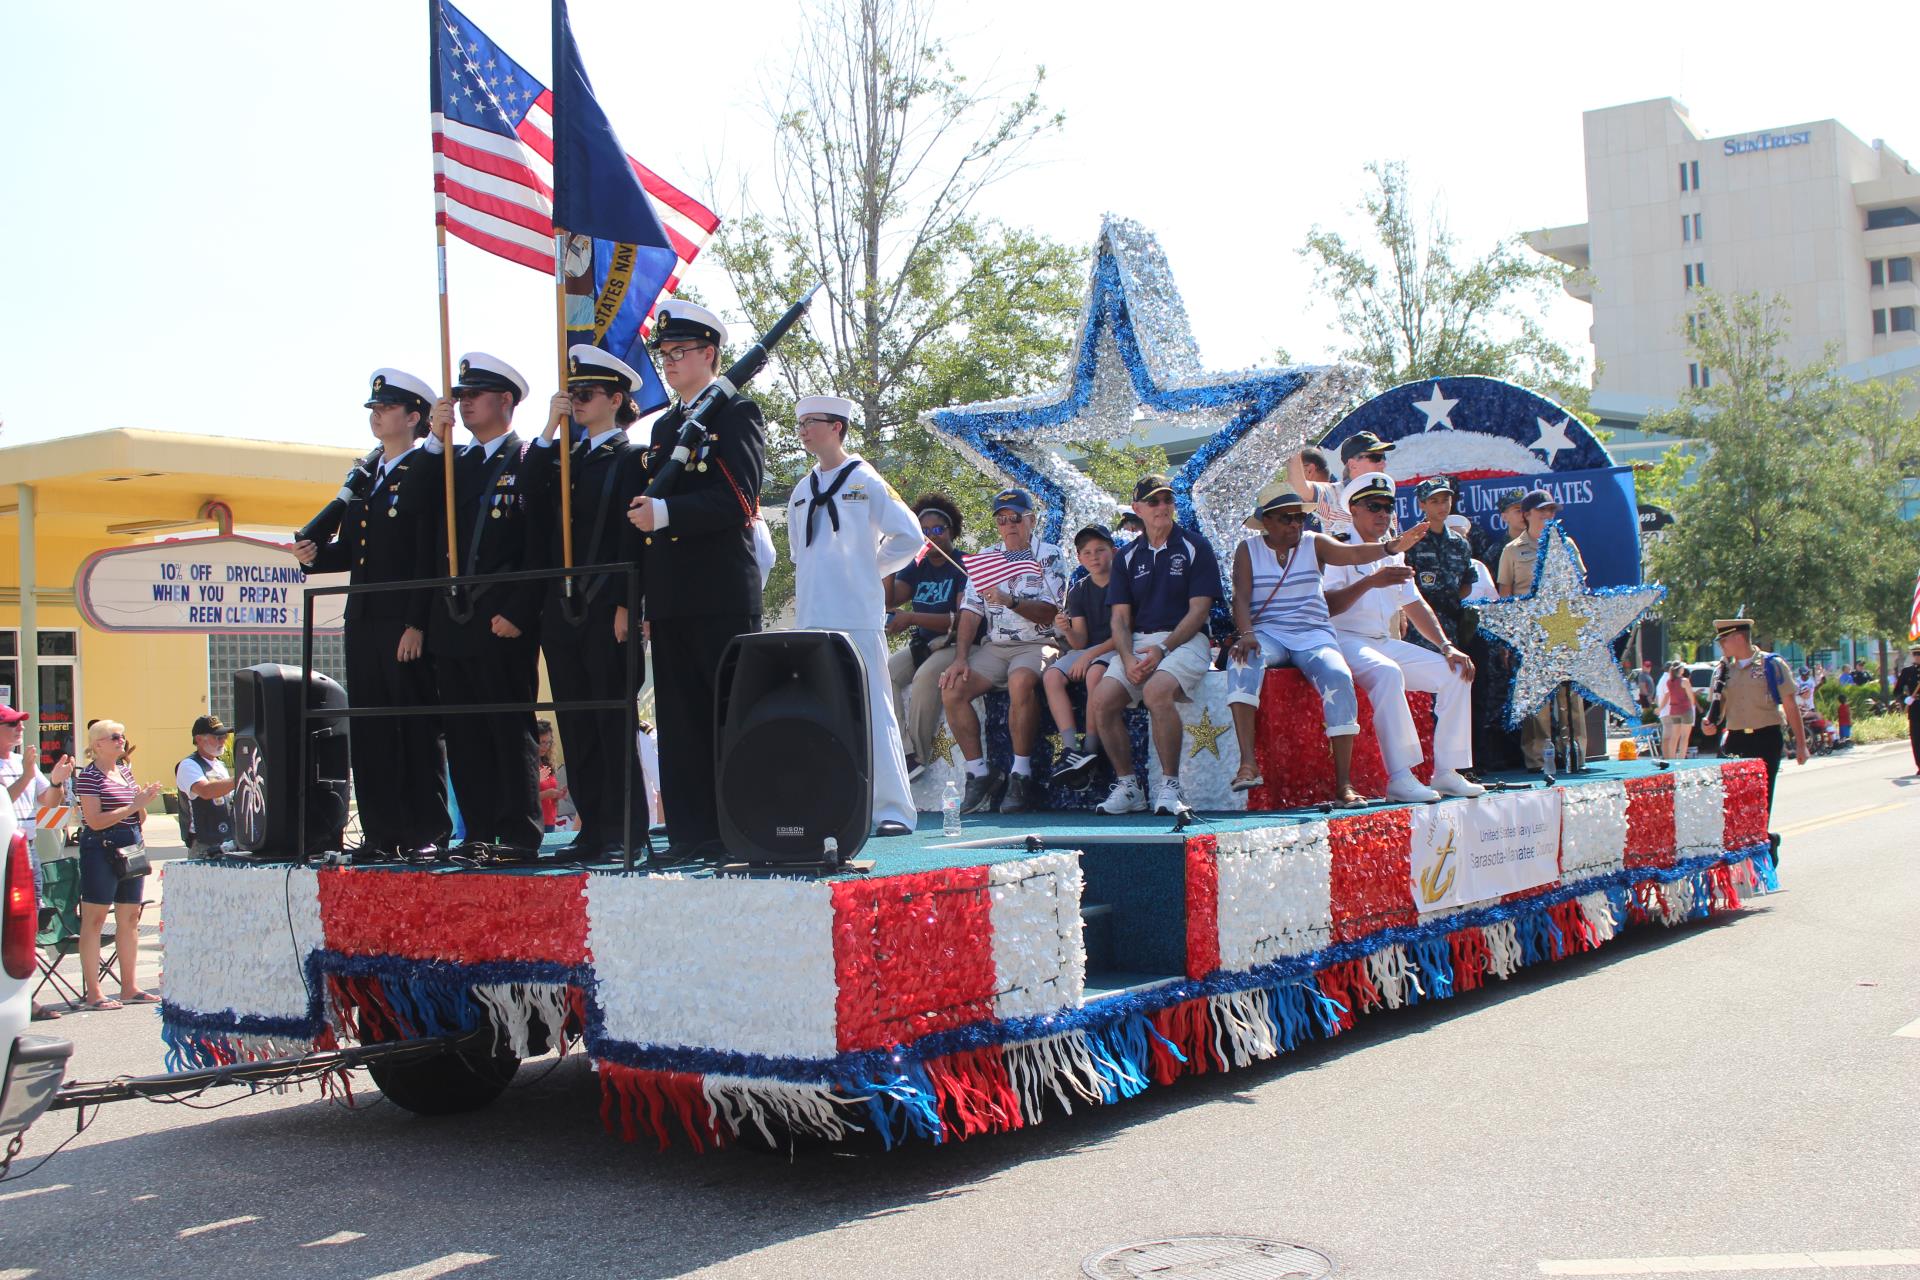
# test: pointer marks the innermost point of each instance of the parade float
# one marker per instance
(1038, 962)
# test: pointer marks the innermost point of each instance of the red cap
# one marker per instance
(9, 716)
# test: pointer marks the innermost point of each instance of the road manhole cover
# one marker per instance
(1212, 1257)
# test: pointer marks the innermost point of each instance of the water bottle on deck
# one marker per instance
(950, 809)
(1546, 759)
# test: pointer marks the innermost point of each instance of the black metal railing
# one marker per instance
(453, 587)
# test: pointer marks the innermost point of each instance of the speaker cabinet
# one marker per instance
(266, 708)
(794, 768)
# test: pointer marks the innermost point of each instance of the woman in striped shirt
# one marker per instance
(1280, 616)
(112, 808)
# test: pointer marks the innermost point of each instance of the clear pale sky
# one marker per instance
(218, 217)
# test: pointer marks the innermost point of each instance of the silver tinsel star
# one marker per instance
(1562, 631)
(1136, 359)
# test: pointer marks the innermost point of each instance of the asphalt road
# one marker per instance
(1727, 1088)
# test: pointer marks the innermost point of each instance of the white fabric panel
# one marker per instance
(228, 945)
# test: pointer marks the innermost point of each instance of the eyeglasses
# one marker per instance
(678, 354)
(582, 395)
(114, 737)
(1008, 521)
(1380, 458)
(1156, 499)
(1285, 517)
(817, 420)
(1376, 507)
(933, 530)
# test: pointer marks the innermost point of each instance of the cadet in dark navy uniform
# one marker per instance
(586, 644)
(1442, 562)
(397, 779)
(482, 638)
(703, 574)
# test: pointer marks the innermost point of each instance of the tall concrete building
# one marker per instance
(1806, 211)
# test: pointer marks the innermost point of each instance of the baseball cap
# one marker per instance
(1013, 500)
(1436, 484)
(1147, 486)
(1361, 442)
(9, 716)
(209, 724)
(1535, 499)
(1098, 531)
(1512, 498)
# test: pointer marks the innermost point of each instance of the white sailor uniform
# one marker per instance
(846, 530)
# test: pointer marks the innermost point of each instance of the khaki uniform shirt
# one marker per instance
(1516, 564)
(1745, 702)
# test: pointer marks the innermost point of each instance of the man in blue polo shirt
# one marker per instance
(1163, 586)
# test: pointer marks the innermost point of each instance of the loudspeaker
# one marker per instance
(794, 764)
(266, 711)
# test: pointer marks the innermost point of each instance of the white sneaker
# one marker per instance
(1407, 789)
(1126, 797)
(1168, 800)
(1450, 783)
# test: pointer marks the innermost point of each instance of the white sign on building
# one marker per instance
(203, 586)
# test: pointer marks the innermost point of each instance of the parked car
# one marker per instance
(31, 1066)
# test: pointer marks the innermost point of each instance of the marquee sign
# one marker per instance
(203, 586)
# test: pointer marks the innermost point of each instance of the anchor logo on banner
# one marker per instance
(1432, 888)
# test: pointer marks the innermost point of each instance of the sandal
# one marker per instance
(1350, 799)
(102, 1004)
(1244, 781)
(144, 997)
(42, 1013)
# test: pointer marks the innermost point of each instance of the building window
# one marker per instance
(1900, 319)
(1876, 272)
(1693, 328)
(1899, 270)
(1696, 226)
(1899, 216)
(1686, 272)
(1689, 175)
(1693, 167)
(1879, 321)
(1683, 176)
(1693, 375)
(1686, 228)
(1695, 274)
(1706, 377)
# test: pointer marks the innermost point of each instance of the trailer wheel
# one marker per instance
(449, 1083)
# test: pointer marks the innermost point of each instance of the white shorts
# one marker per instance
(1188, 664)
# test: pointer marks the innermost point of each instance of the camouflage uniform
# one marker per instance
(1441, 562)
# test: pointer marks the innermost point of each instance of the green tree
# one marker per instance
(1411, 307)
(883, 149)
(1794, 512)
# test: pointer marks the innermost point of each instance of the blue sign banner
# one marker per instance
(1597, 508)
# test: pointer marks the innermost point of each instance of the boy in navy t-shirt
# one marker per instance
(1088, 628)
(930, 589)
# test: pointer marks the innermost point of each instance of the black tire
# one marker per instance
(449, 1083)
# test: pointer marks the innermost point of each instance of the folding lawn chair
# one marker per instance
(59, 935)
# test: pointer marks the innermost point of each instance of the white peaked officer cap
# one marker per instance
(677, 321)
(396, 386)
(833, 406)
(588, 364)
(1459, 524)
(482, 372)
(1375, 484)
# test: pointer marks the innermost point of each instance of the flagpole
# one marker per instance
(560, 342)
(434, 28)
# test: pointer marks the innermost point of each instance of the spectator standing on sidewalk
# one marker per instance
(1906, 692)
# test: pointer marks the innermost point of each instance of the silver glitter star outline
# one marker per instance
(1135, 351)
(1589, 664)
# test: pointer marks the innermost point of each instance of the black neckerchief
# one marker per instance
(825, 499)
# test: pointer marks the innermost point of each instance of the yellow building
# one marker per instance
(62, 501)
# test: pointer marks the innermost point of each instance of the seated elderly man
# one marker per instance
(1001, 642)
(1362, 600)
(1161, 588)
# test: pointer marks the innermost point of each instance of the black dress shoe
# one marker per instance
(892, 828)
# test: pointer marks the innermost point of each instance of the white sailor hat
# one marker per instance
(396, 386)
(587, 364)
(482, 372)
(833, 406)
(678, 321)
(1460, 525)
(1375, 484)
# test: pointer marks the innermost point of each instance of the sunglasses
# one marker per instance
(932, 529)
(1285, 517)
(1375, 457)
(1376, 506)
(1156, 499)
(581, 395)
(114, 737)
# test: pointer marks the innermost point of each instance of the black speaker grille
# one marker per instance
(787, 781)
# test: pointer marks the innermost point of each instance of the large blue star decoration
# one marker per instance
(1135, 361)
(1474, 425)
(1561, 631)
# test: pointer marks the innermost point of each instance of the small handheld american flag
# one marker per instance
(988, 569)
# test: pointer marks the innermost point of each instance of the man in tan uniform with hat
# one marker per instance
(1750, 690)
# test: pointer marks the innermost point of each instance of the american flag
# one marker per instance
(988, 569)
(493, 157)
(1913, 620)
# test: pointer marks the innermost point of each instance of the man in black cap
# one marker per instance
(482, 636)
(584, 626)
(1750, 691)
(1361, 454)
(205, 790)
(398, 784)
(703, 570)
(1442, 563)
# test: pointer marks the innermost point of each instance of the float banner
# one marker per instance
(1597, 508)
(203, 586)
(1485, 849)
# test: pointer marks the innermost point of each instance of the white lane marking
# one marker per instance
(437, 1267)
(1912, 1029)
(201, 1230)
(149, 1196)
(338, 1237)
(18, 1273)
(1820, 1261)
(32, 1191)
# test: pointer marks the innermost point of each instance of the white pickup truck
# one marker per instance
(31, 1066)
